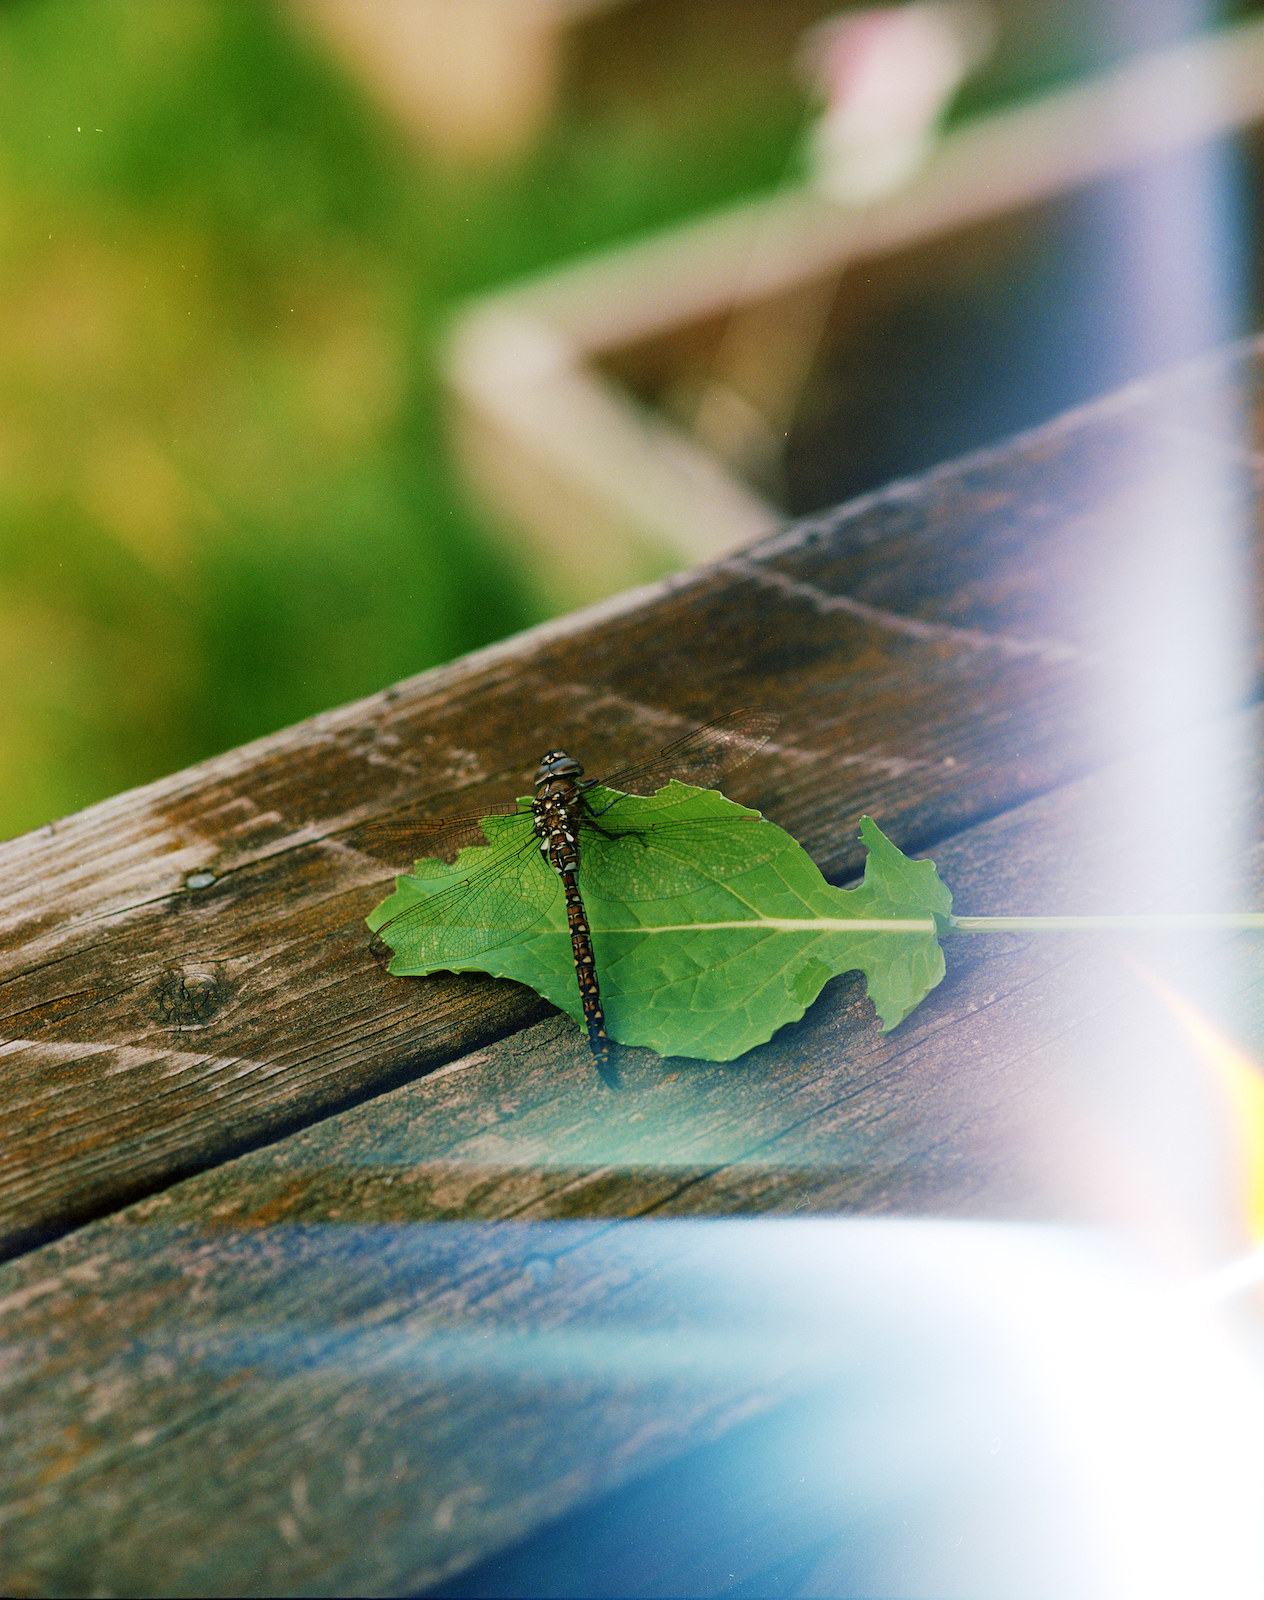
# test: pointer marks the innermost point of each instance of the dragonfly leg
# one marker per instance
(593, 826)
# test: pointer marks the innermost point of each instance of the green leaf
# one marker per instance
(742, 944)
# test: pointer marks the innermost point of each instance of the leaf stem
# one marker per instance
(1193, 922)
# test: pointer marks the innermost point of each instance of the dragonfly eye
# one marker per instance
(557, 764)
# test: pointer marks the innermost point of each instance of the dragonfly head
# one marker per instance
(557, 764)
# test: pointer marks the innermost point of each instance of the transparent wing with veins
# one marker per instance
(701, 757)
(513, 887)
(510, 891)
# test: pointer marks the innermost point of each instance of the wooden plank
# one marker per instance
(185, 974)
(397, 1340)
(524, 1129)
(559, 451)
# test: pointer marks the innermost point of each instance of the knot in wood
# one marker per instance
(188, 996)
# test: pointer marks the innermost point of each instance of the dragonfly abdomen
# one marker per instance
(586, 971)
(555, 820)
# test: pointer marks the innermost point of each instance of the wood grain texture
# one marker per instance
(184, 971)
(401, 1338)
(458, 1288)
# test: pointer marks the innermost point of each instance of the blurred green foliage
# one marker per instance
(224, 501)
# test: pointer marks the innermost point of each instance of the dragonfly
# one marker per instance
(598, 848)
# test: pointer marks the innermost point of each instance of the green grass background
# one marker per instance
(224, 497)
(225, 500)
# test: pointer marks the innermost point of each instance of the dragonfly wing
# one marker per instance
(505, 895)
(703, 756)
(660, 862)
(440, 838)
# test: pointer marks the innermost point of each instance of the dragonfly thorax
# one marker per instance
(557, 809)
(557, 764)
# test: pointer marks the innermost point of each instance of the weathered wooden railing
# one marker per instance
(220, 1115)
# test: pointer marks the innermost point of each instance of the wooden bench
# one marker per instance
(293, 1246)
